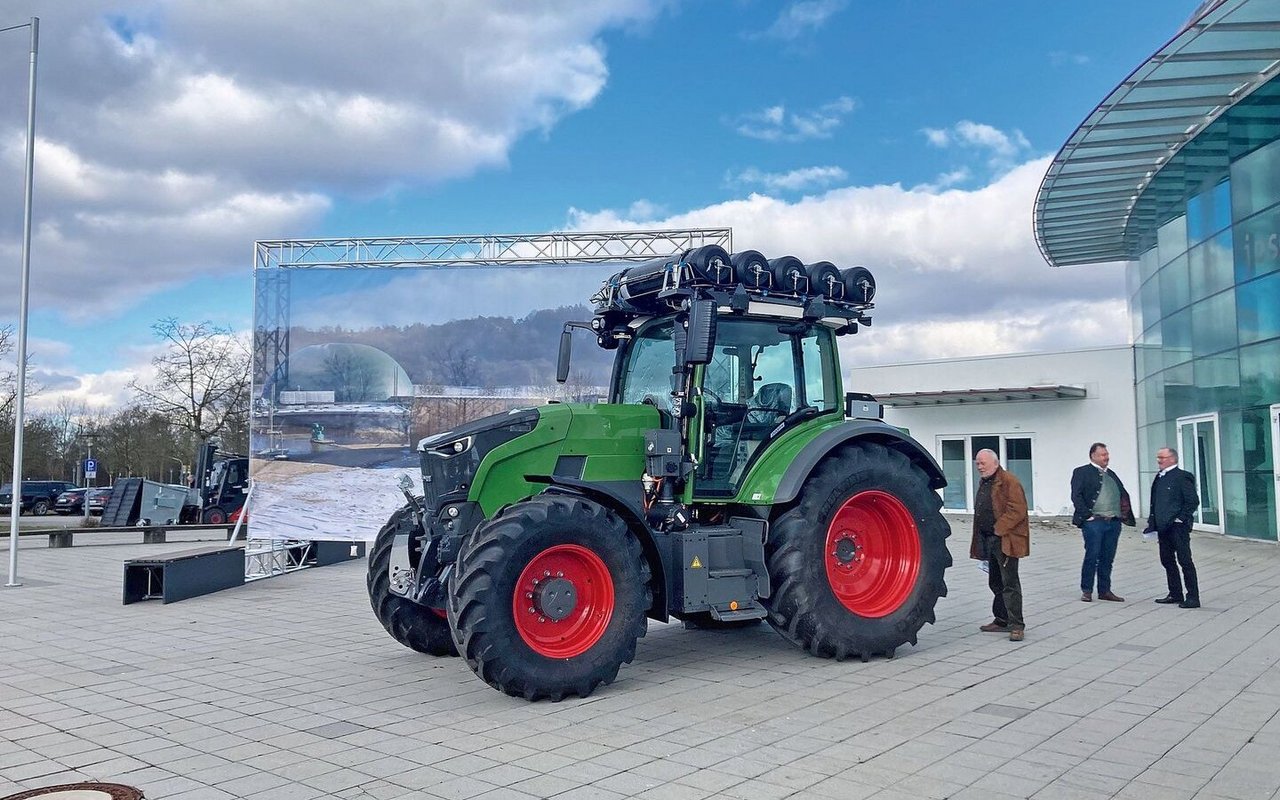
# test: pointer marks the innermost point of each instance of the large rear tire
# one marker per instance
(859, 562)
(549, 597)
(410, 624)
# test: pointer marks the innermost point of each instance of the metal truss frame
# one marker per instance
(266, 558)
(273, 261)
(485, 250)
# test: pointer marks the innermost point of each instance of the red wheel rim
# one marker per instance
(578, 627)
(872, 554)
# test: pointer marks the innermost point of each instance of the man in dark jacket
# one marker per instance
(1001, 536)
(1174, 501)
(1101, 504)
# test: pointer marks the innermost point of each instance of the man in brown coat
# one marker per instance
(1001, 536)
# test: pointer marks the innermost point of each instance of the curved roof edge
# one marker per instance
(1084, 210)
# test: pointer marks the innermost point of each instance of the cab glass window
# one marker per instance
(647, 373)
(760, 374)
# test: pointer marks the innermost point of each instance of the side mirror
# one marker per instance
(701, 340)
(562, 364)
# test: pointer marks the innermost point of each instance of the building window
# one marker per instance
(955, 464)
(1208, 213)
(1171, 239)
(1255, 181)
(957, 453)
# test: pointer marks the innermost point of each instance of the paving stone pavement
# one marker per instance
(288, 689)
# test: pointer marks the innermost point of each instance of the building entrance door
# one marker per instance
(1275, 458)
(1198, 438)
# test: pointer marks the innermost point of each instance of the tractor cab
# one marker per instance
(765, 376)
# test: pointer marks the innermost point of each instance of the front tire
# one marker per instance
(549, 597)
(414, 626)
(40, 508)
(859, 562)
(215, 516)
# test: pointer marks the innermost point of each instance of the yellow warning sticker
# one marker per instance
(697, 563)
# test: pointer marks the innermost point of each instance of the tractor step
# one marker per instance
(752, 611)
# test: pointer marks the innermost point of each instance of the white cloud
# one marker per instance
(1002, 149)
(800, 18)
(95, 391)
(172, 135)
(793, 181)
(958, 269)
(946, 180)
(776, 124)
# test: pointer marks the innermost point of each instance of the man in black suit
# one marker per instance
(1174, 501)
(1101, 505)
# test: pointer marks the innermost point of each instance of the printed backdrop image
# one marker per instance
(359, 364)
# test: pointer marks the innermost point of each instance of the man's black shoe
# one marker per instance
(1169, 600)
(1189, 604)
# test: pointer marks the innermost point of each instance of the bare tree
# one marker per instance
(8, 376)
(352, 373)
(201, 381)
(456, 365)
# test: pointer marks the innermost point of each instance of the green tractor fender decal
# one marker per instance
(831, 438)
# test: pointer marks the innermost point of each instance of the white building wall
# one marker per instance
(1061, 430)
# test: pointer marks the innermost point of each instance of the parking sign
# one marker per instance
(90, 468)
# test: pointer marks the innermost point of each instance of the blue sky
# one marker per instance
(909, 136)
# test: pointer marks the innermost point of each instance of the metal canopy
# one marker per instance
(955, 397)
(1134, 155)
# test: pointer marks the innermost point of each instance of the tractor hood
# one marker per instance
(454, 440)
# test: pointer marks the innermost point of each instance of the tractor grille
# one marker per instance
(442, 475)
(450, 460)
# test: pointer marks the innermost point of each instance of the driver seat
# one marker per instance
(770, 403)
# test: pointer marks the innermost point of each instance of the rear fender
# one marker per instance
(854, 430)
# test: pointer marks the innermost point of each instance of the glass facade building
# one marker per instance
(1197, 218)
(1205, 304)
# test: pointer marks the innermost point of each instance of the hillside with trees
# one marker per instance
(481, 351)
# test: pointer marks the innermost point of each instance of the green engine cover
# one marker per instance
(608, 437)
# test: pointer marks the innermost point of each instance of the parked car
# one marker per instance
(98, 498)
(38, 497)
(70, 502)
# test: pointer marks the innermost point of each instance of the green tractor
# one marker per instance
(726, 481)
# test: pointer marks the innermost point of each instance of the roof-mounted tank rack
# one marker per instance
(741, 283)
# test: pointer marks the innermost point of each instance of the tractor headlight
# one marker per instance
(455, 448)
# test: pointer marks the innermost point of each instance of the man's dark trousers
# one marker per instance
(1006, 588)
(1175, 551)
(1101, 538)
(1174, 501)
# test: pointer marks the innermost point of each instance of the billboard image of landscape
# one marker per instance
(353, 366)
